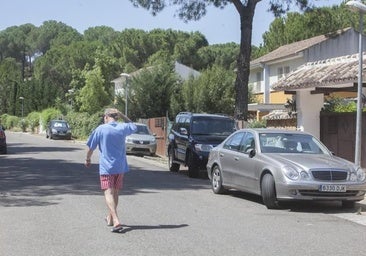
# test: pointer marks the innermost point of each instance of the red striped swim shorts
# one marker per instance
(111, 181)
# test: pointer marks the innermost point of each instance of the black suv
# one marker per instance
(192, 137)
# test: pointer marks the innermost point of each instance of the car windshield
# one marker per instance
(60, 124)
(213, 126)
(290, 143)
(142, 129)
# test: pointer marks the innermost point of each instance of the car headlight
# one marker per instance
(291, 172)
(152, 140)
(203, 147)
(294, 174)
(128, 140)
(54, 130)
(359, 175)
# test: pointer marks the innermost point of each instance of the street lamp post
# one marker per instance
(359, 7)
(127, 76)
(22, 99)
(71, 92)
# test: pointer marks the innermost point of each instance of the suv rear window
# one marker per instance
(212, 125)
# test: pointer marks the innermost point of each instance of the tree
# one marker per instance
(93, 96)
(15, 43)
(53, 33)
(211, 92)
(223, 55)
(215, 91)
(150, 91)
(105, 35)
(10, 82)
(194, 10)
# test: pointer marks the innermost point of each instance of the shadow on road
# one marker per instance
(39, 176)
(128, 228)
(326, 207)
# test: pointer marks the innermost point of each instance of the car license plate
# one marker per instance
(332, 188)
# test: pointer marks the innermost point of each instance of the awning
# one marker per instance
(340, 72)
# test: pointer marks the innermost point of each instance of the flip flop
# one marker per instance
(108, 221)
(117, 229)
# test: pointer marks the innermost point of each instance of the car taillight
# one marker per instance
(2, 134)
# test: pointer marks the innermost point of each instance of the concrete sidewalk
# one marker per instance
(357, 215)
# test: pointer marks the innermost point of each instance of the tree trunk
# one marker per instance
(243, 62)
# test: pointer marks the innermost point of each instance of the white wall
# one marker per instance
(308, 108)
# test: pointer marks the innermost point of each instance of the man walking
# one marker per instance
(110, 139)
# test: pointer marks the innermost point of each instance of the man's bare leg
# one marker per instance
(111, 198)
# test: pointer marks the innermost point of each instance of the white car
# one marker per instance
(281, 165)
(142, 142)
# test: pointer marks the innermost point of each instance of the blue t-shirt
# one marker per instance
(110, 139)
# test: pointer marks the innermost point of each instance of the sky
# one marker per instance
(218, 26)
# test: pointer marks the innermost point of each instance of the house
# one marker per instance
(183, 71)
(274, 82)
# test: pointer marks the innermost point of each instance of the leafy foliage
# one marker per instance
(339, 105)
(49, 114)
(93, 96)
(151, 91)
(33, 119)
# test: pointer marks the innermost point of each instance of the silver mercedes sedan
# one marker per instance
(281, 165)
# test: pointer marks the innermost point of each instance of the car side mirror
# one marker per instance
(252, 153)
(183, 131)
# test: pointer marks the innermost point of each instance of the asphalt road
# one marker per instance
(50, 204)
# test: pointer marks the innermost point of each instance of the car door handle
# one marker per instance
(236, 158)
(221, 154)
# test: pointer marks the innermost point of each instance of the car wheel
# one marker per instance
(193, 170)
(173, 167)
(216, 181)
(269, 192)
(348, 204)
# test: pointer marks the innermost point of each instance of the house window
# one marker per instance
(281, 71)
(287, 70)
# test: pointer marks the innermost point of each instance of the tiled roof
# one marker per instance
(278, 114)
(295, 48)
(325, 73)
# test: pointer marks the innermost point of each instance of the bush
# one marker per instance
(33, 120)
(257, 124)
(23, 124)
(339, 105)
(82, 124)
(49, 114)
(9, 122)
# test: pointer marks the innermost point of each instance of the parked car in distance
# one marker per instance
(58, 129)
(3, 145)
(281, 165)
(192, 137)
(142, 142)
